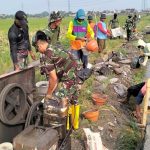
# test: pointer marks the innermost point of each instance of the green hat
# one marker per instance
(54, 16)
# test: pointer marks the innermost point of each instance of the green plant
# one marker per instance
(138, 76)
(129, 138)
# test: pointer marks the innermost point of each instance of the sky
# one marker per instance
(38, 6)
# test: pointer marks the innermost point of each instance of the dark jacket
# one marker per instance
(18, 40)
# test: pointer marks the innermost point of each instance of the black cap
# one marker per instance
(90, 17)
(40, 35)
(103, 16)
(21, 16)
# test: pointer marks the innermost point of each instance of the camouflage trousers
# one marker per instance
(22, 60)
(129, 34)
(69, 87)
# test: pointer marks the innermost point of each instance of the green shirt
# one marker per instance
(53, 34)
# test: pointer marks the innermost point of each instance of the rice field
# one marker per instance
(41, 23)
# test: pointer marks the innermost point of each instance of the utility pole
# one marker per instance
(48, 4)
(68, 5)
(145, 4)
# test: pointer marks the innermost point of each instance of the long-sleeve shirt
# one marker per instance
(77, 44)
(18, 40)
(102, 30)
(73, 37)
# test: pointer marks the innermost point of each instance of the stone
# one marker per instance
(113, 80)
(118, 70)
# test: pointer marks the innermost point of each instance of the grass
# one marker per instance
(139, 75)
(129, 138)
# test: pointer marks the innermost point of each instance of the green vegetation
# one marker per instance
(130, 137)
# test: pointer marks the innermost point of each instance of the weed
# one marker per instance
(129, 138)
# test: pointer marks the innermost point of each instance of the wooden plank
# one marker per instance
(146, 100)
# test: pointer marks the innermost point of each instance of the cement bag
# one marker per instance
(116, 32)
(93, 141)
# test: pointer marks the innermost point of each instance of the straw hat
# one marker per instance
(6, 146)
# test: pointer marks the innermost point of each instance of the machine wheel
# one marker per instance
(13, 104)
(35, 114)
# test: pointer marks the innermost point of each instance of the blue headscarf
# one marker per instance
(80, 14)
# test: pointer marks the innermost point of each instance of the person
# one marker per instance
(135, 20)
(114, 23)
(102, 33)
(60, 67)
(53, 29)
(77, 30)
(20, 46)
(145, 50)
(92, 25)
(139, 99)
(129, 26)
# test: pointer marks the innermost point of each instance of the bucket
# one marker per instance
(42, 87)
(99, 99)
(6, 146)
(91, 115)
(92, 46)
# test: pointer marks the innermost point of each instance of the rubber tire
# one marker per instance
(31, 111)
(22, 110)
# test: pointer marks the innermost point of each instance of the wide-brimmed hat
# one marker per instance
(54, 16)
(103, 16)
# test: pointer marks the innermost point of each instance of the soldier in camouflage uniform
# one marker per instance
(53, 29)
(129, 26)
(60, 67)
(135, 20)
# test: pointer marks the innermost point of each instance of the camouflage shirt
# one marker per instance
(53, 35)
(61, 61)
(129, 24)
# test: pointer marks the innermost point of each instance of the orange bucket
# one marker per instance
(92, 46)
(99, 99)
(91, 115)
